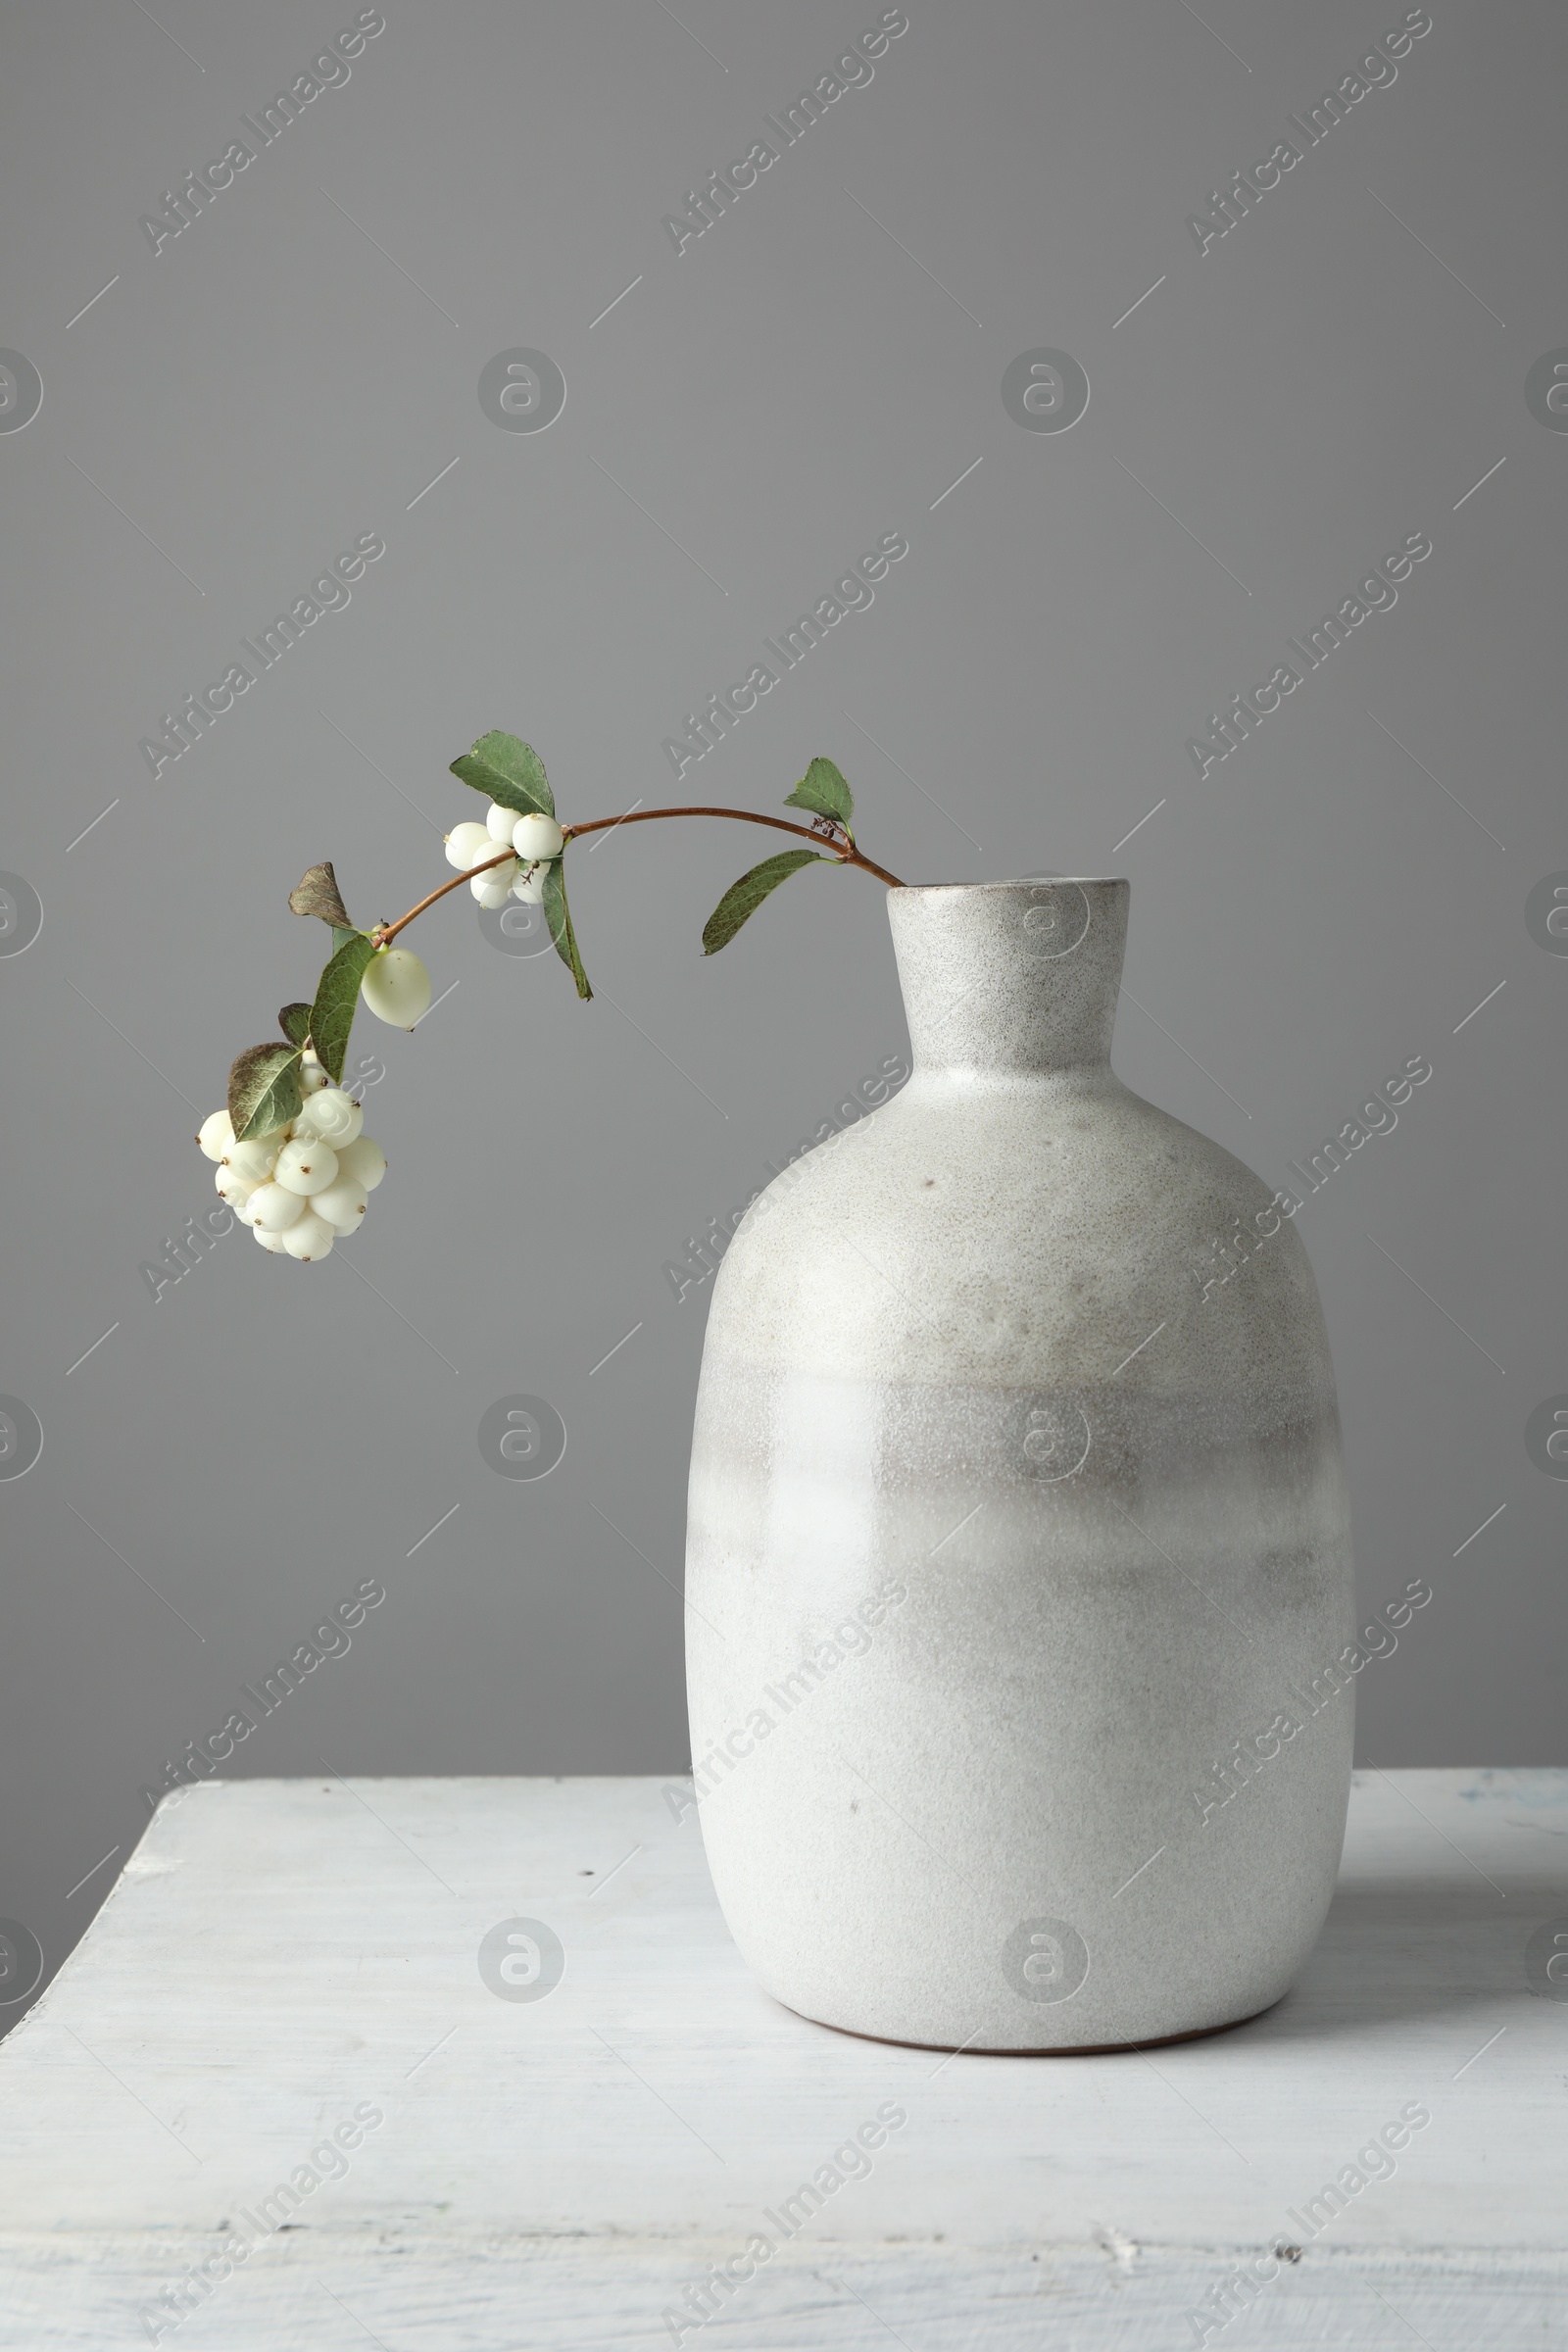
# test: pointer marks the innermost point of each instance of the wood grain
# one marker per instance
(558, 2171)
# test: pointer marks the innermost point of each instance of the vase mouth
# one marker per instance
(1019, 882)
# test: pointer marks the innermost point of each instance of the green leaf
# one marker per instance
(338, 995)
(823, 790)
(318, 894)
(743, 898)
(295, 1022)
(510, 771)
(558, 915)
(264, 1089)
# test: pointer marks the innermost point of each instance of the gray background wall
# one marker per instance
(298, 364)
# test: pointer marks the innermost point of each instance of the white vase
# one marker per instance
(1018, 1567)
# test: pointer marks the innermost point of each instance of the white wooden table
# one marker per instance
(281, 1957)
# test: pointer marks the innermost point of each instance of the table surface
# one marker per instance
(559, 2170)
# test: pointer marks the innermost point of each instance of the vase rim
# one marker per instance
(1020, 881)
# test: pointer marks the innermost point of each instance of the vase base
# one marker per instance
(1059, 2049)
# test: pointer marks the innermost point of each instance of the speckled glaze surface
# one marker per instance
(1018, 1564)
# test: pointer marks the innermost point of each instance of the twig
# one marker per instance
(846, 852)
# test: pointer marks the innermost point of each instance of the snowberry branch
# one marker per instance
(386, 932)
(847, 852)
(293, 1163)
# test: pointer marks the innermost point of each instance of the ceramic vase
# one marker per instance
(1019, 1566)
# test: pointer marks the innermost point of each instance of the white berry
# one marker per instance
(529, 886)
(269, 1241)
(331, 1114)
(395, 985)
(494, 887)
(313, 1078)
(255, 1158)
(498, 822)
(466, 843)
(214, 1135)
(363, 1161)
(309, 1237)
(235, 1190)
(341, 1202)
(272, 1207)
(305, 1165)
(537, 837)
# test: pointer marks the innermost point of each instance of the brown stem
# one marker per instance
(848, 854)
(384, 933)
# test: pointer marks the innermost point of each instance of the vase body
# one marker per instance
(1018, 1565)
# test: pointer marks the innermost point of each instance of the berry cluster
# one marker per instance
(535, 842)
(293, 1163)
(303, 1185)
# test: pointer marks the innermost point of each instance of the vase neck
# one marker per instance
(1010, 976)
